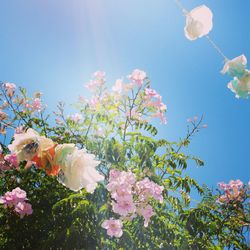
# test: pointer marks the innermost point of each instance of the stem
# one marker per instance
(189, 135)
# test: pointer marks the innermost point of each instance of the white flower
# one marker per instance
(78, 168)
(29, 144)
(198, 22)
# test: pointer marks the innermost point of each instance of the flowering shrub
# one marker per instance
(131, 198)
(101, 178)
(17, 199)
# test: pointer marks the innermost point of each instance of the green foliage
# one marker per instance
(63, 219)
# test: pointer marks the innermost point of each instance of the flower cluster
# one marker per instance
(17, 200)
(97, 82)
(10, 88)
(233, 191)
(8, 161)
(75, 168)
(154, 100)
(134, 98)
(129, 199)
(236, 68)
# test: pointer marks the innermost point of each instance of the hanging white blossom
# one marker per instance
(199, 22)
(237, 68)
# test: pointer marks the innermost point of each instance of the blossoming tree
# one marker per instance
(101, 179)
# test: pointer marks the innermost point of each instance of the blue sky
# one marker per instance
(55, 45)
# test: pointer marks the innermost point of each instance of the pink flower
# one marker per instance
(36, 104)
(114, 227)
(10, 88)
(223, 186)
(133, 114)
(147, 212)
(8, 200)
(124, 206)
(23, 208)
(151, 93)
(147, 188)
(113, 174)
(138, 76)
(19, 194)
(94, 102)
(232, 191)
(12, 198)
(76, 117)
(118, 86)
(99, 80)
(99, 74)
(236, 184)
(12, 159)
(92, 85)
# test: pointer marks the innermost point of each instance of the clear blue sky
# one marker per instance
(55, 45)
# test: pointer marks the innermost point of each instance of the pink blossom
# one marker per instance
(113, 174)
(114, 227)
(76, 117)
(189, 120)
(99, 74)
(147, 212)
(23, 208)
(12, 198)
(123, 192)
(10, 88)
(236, 184)
(94, 102)
(19, 194)
(8, 200)
(147, 188)
(4, 166)
(151, 93)
(118, 86)
(232, 191)
(99, 80)
(36, 104)
(124, 206)
(92, 85)
(12, 159)
(223, 186)
(133, 114)
(138, 76)
(121, 180)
